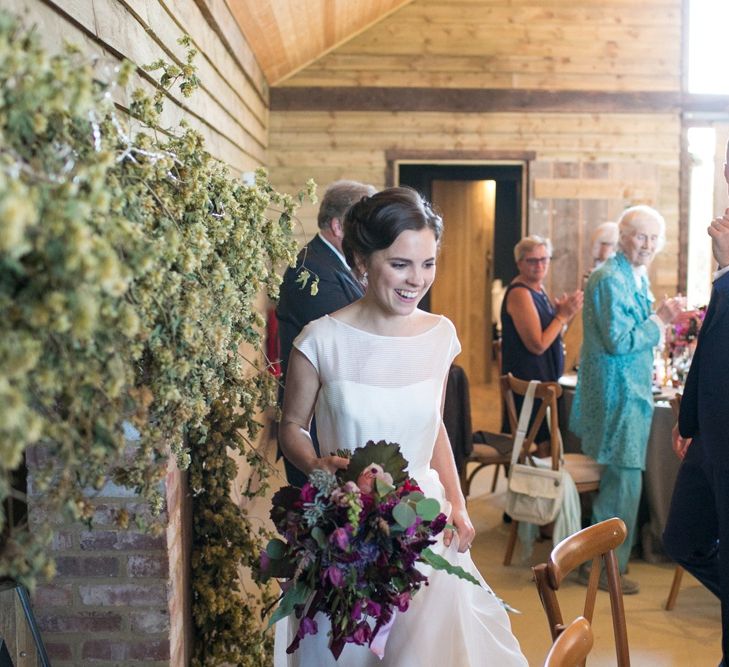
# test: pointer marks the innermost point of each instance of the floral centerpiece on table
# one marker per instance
(350, 546)
(681, 338)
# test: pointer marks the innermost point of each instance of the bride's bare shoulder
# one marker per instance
(424, 320)
(348, 314)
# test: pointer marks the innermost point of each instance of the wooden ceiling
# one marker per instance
(287, 35)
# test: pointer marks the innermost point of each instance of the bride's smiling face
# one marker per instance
(398, 277)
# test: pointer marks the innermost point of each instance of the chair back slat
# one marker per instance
(595, 544)
(620, 628)
(584, 546)
(548, 598)
(591, 595)
(545, 396)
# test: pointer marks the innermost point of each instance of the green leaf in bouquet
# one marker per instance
(319, 536)
(414, 496)
(385, 454)
(404, 514)
(383, 488)
(427, 509)
(297, 594)
(437, 562)
(276, 549)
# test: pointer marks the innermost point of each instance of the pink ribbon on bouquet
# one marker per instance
(377, 645)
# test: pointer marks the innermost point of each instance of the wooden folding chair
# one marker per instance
(597, 544)
(584, 470)
(572, 646)
(678, 572)
(495, 451)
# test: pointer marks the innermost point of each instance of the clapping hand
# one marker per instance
(670, 308)
(568, 305)
(719, 233)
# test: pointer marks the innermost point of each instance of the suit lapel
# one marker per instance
(345, 274)
(715, 310)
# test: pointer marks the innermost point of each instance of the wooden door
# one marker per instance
(462, 289)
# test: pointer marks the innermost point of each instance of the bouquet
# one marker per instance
(350, 545)
(679, 346)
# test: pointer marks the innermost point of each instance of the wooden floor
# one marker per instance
(688, 636)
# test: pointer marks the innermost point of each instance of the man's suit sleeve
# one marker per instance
(688, 419)
(688, 416)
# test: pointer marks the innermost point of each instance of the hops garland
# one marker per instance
(130, 262)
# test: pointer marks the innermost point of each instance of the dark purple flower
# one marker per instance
(368, 504)
(307, 627)
(340, 537)
(356, 610)
(438, 524)
(373, 609)
(362, 634)
(413, 528)
(308, 493)
(334, 574)
(402, 601)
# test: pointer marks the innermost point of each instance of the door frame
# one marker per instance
(467, 160)
(464, 158)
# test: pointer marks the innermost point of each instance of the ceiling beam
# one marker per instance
(479, 100)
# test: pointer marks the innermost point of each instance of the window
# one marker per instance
(708, 70)
(702, 147)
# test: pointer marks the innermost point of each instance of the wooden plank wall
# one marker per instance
(231, 107)
(588, 166)
(532, 44)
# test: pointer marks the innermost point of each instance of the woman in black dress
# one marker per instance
(531, 324)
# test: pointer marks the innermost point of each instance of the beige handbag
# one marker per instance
(534, 494)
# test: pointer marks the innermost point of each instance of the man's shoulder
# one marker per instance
(316, 255)
(315, 258)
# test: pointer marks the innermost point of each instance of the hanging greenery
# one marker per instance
(130, 265)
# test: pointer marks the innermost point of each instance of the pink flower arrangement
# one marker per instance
(680, 343)
(350, 545)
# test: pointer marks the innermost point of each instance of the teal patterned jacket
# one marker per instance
(613, 405)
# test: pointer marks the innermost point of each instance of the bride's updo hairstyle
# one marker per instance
(373, 223)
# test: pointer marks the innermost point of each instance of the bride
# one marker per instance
(376, 370)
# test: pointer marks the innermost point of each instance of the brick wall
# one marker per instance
(120, 597)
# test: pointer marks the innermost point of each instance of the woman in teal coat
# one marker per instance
(613, 405)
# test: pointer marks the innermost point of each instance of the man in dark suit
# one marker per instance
(324, 261)
(697, 530)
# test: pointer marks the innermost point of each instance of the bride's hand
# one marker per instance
(464, 528)
(330, 463)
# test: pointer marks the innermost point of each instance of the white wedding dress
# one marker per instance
(389, 388)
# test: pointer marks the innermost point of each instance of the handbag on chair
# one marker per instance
(534, 493)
